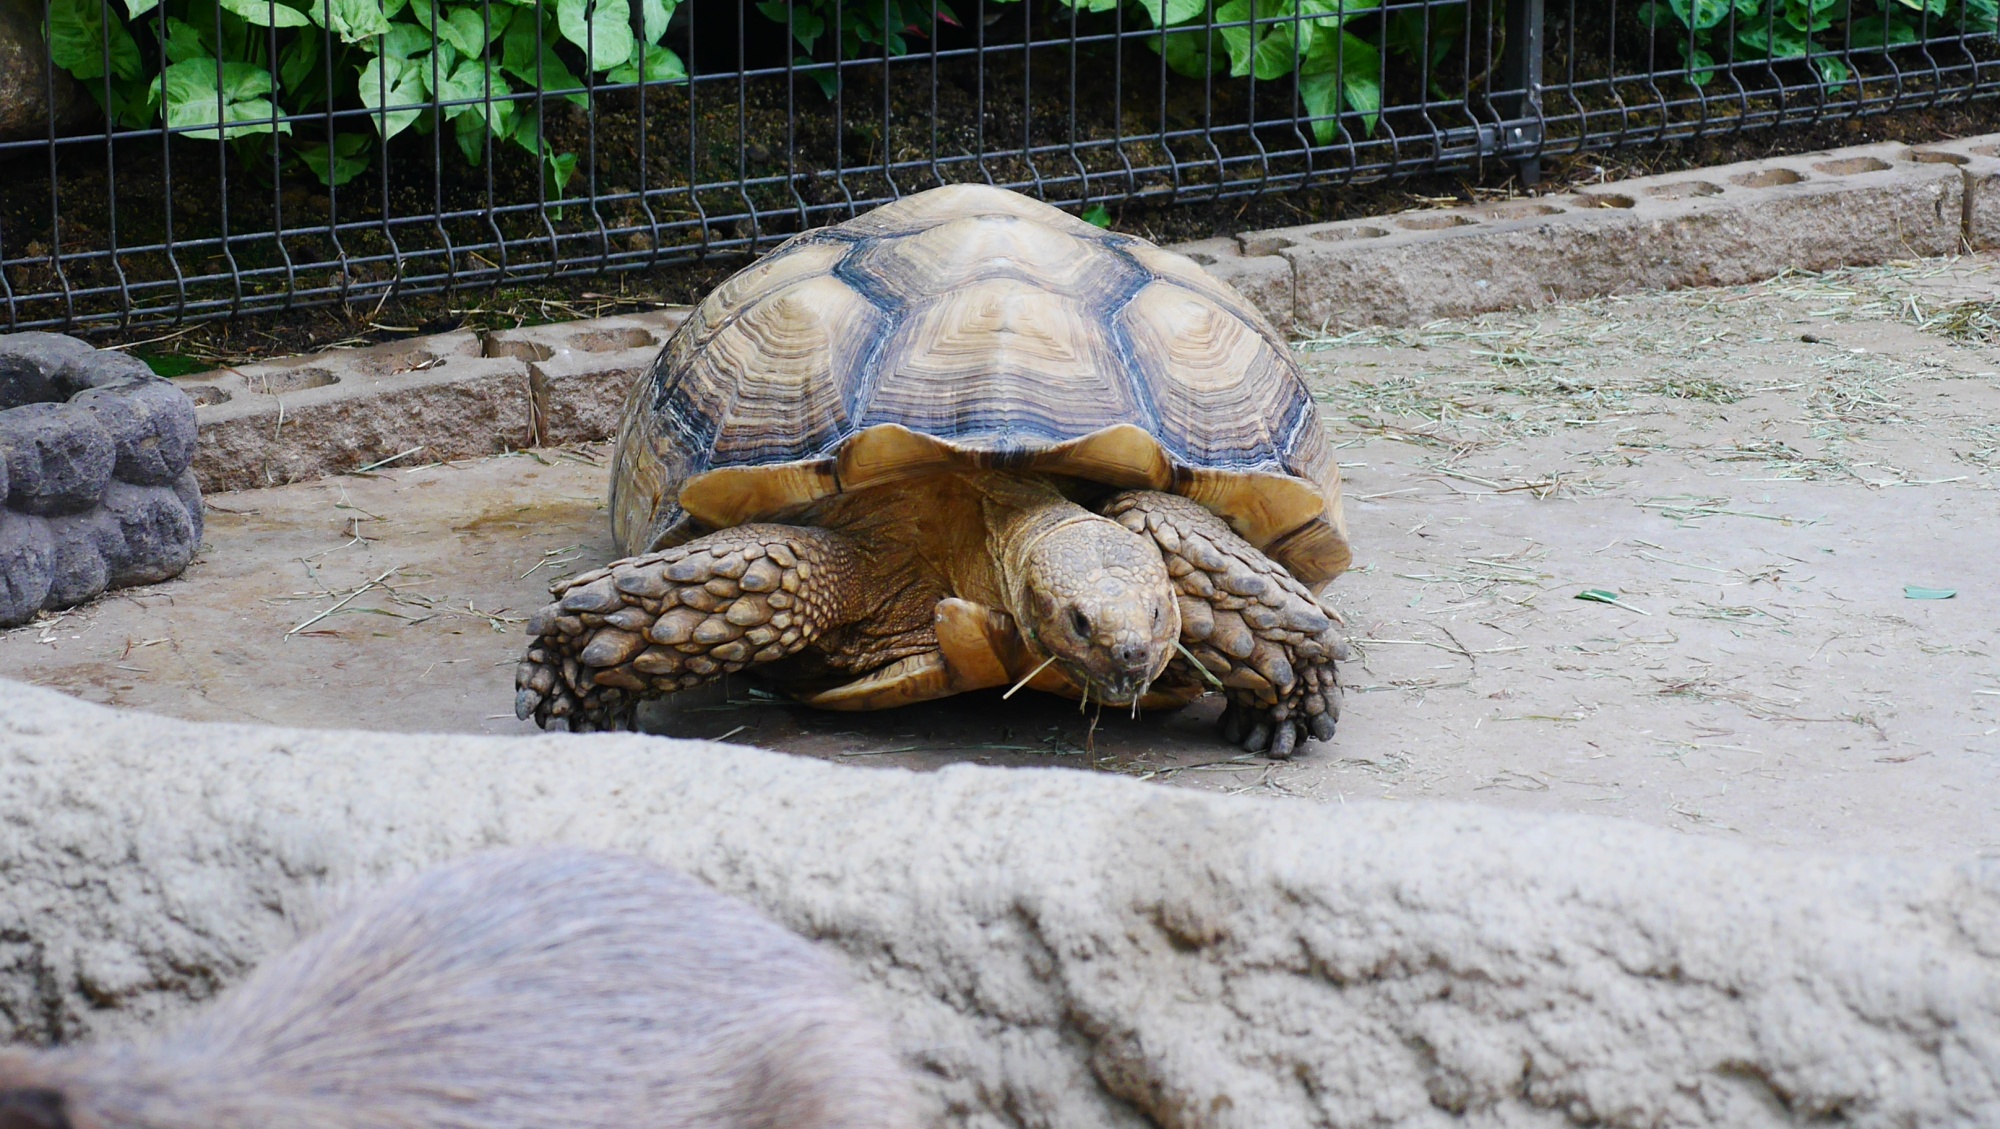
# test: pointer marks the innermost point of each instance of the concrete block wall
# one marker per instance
(1712, 227)
(446, 396)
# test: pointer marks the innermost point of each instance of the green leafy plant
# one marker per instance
(237, 70)
(1339, 65)
(850, 29)
(1270, 39)
(1712, 33)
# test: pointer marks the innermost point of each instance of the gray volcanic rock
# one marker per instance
(93, 441)
(1063, 949)
(25, 78)
(58, 459)
(27, 565)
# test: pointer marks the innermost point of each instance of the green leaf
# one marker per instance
(1889, 31)
(1913, 592)
(352, 20)
(345, 158)
(296, 61)
(1194, 53)
(1282, 32)
(1097, 215)
(1700, 64)
(172, 364)
(662, 65)
(1276, 55)
(1777, 40)
(1700, 14)
(462, 86)
(653, 17)
(1807, 16)
(1166, 13)
(1331, 14)
(1407, 32)
(79, 39)
(395, 88)
(1236, 39)
(266, 13)
(1342, 68)
(1600, 596)
(527, 134)
(184, 42)
(490, 115)
(603, 28)
(470, 30)
(826, 75)
(235, 103)
(137, 8)
(401, 41)
(807, 23)
(523, 48)
(470, 133)
(561, 167)
(466, 28)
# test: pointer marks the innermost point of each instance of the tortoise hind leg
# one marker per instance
(1252, 624)
(649, 625)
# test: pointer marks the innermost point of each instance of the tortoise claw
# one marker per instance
(1283, 740)
(1322, 726)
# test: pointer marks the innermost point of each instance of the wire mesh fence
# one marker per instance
(170, 160)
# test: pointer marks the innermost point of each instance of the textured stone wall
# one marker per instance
(1061, 949)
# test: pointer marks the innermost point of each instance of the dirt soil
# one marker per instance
(1762, 485)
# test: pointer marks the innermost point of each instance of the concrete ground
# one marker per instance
(1760, 482)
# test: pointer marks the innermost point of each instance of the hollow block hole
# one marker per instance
(1435, 221)
(612, 340)
(1851, 166)
(1768, 178)
(1684, 189)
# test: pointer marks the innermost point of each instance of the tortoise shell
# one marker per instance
(970, 328)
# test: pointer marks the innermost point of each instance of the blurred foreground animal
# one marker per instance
(554, 989)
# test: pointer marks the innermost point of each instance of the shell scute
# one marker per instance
(994, 362)
(971, 250)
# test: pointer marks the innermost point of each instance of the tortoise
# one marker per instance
(964, 440)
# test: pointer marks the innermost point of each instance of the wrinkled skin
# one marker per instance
(1097, 598)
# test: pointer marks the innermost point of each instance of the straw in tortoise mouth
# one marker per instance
(1132, 697)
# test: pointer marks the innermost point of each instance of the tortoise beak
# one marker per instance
(1137, 667)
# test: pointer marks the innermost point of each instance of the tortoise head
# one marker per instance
(1096, 598)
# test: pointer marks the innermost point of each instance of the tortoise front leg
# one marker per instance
(649, 625)
(1251, 623)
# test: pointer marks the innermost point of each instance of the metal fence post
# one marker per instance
(1520, 88)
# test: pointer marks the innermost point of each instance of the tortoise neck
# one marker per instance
(1020, 513)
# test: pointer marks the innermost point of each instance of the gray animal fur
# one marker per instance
(549, 989)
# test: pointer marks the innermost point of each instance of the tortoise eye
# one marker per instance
(1080, 623)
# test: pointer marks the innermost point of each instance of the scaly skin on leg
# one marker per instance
(1251, 623)
(650, 625)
